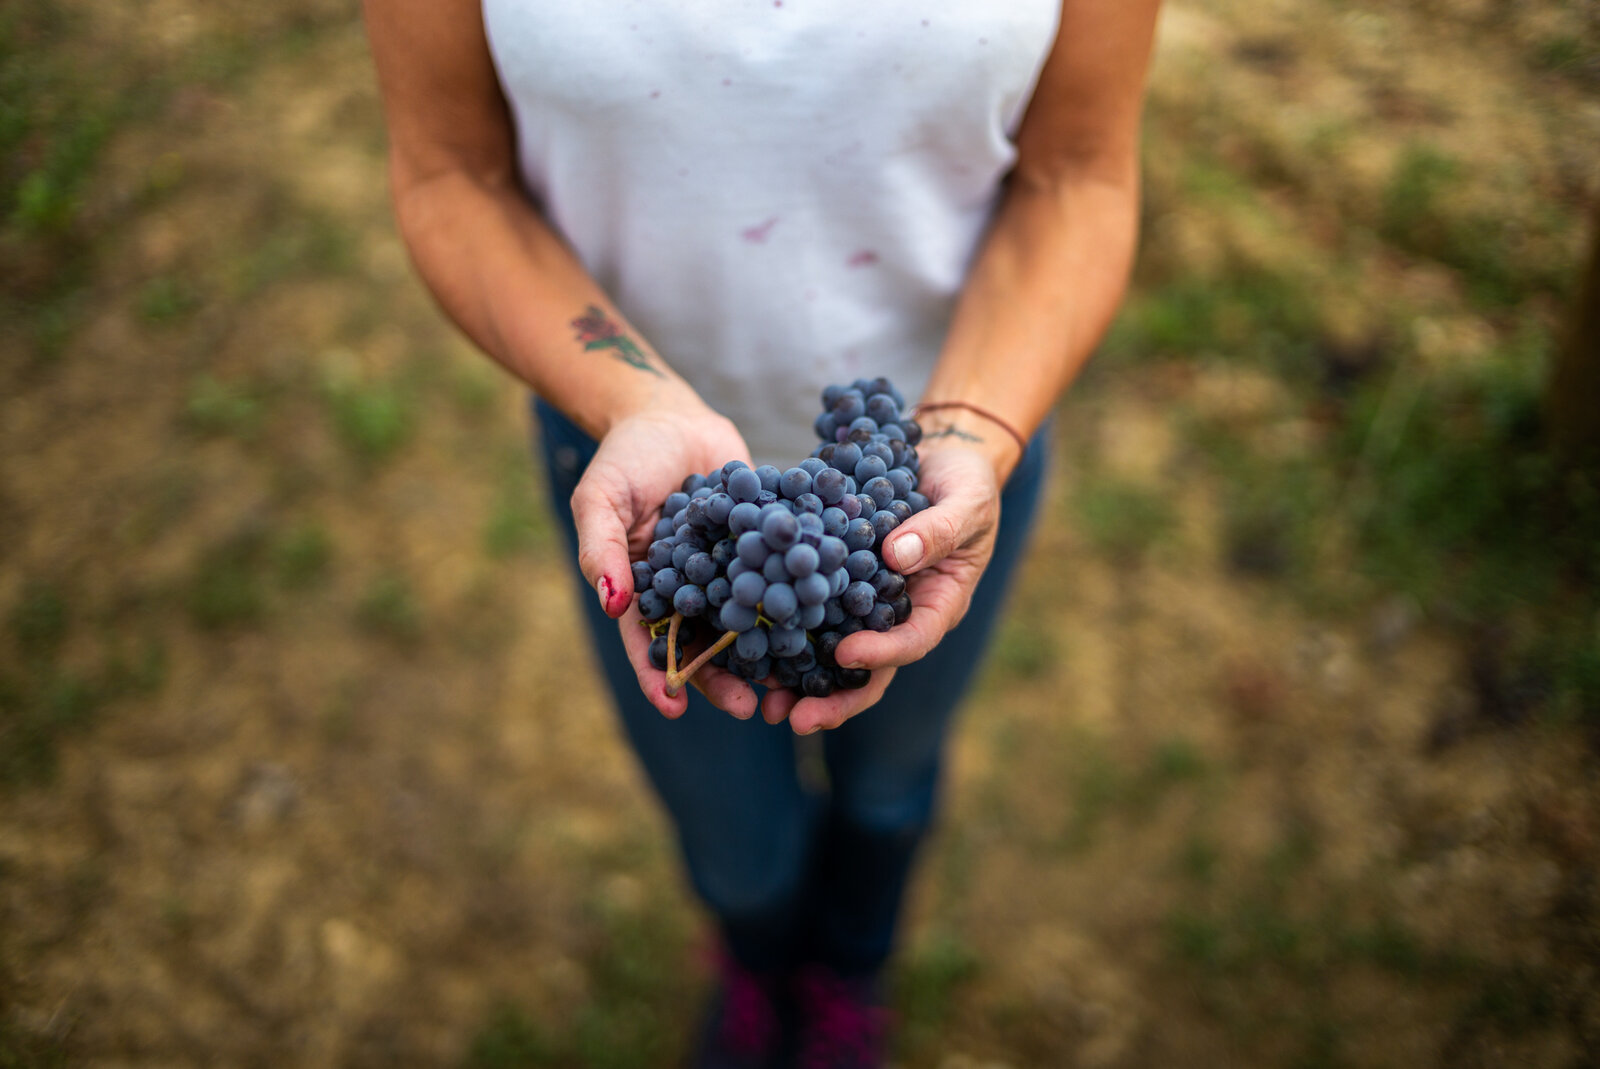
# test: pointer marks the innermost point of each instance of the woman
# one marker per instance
(676, 222)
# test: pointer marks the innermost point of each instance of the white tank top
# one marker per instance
(778, 194)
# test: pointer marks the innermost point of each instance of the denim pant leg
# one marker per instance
(884, 765)
(743, 820)
(769, 863)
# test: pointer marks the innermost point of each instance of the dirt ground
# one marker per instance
(325, 779)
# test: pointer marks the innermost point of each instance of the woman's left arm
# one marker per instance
(1044, 288)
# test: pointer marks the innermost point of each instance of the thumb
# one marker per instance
(934, 533)
(603, 547)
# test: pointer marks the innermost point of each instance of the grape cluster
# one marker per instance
(774, 568)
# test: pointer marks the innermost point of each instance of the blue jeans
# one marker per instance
(794, 874)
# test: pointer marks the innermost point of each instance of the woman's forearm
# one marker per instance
(1041, 293)
(516, 289)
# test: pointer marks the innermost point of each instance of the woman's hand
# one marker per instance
(942, 551)
(642, 458)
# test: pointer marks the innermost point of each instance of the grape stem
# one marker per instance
(676, 678)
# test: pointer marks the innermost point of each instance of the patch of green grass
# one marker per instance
(373, 420)
(1261, 317)
(35, 716)
(926, 984)
(1121, 520)
(224, 408)
(518, 521)
(1024, 651)
(302, 555)
(167, 299)
(227, 588)
(1198, 859)
(510, 1039)
(40, 620)
(390, 609)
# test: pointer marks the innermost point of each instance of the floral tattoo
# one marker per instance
(598, 331)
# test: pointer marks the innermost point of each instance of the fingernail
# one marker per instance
(851, 664)
(908, 550)
(603, 588)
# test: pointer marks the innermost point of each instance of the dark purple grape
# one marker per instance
(880, 489)
(658, 654)
(744, 485)
(834, 521)
(881, 618)
(745, 516)
(817, 683)
(831, 553)
(902, 608)
(838, 579)
(882, 408)
(811, 531)
(691, 483)
(666, 582)
(751, 644)
(808, 503)
(786, 642)
(833, 613)
(883, 522)
(829, 485)
(812, 589)
(718, 506)
(642, 574)
(664, 528)
(779, 529)
(852, 678)
(850, 505)
(899, 510)
(801, 560)
(785, 674)
(769, 476)
(779, 602)
(824, 426)
(659, 555)
(861, 564)
(795, 481)
(773, 571)
(859, 535)
(748, 588)
(858, 598)
(850, 406)
(736, 617)
(653, 606)
(811, 466)
(826, 643)
(812, 616)
(718, 591)
(913, 431)
(752, 549)
(690, 600)
(724, 552)
(865, 423)
(888, 584)
(681, 554)
(917, 501)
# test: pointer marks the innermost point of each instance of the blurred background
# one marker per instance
(1285, 758)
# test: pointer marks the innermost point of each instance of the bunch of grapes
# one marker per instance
(769, 570)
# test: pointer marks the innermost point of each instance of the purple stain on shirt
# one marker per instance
(758, 235)
(727, 81)
(655, 94)
(862, 258)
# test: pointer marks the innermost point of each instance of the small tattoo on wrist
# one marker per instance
(954, 432)
(599, 331)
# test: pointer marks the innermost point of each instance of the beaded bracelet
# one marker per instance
(930, 406)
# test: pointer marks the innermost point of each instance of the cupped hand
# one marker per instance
(943, 551)
(643, 458)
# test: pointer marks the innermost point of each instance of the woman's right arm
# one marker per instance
(514, 287)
